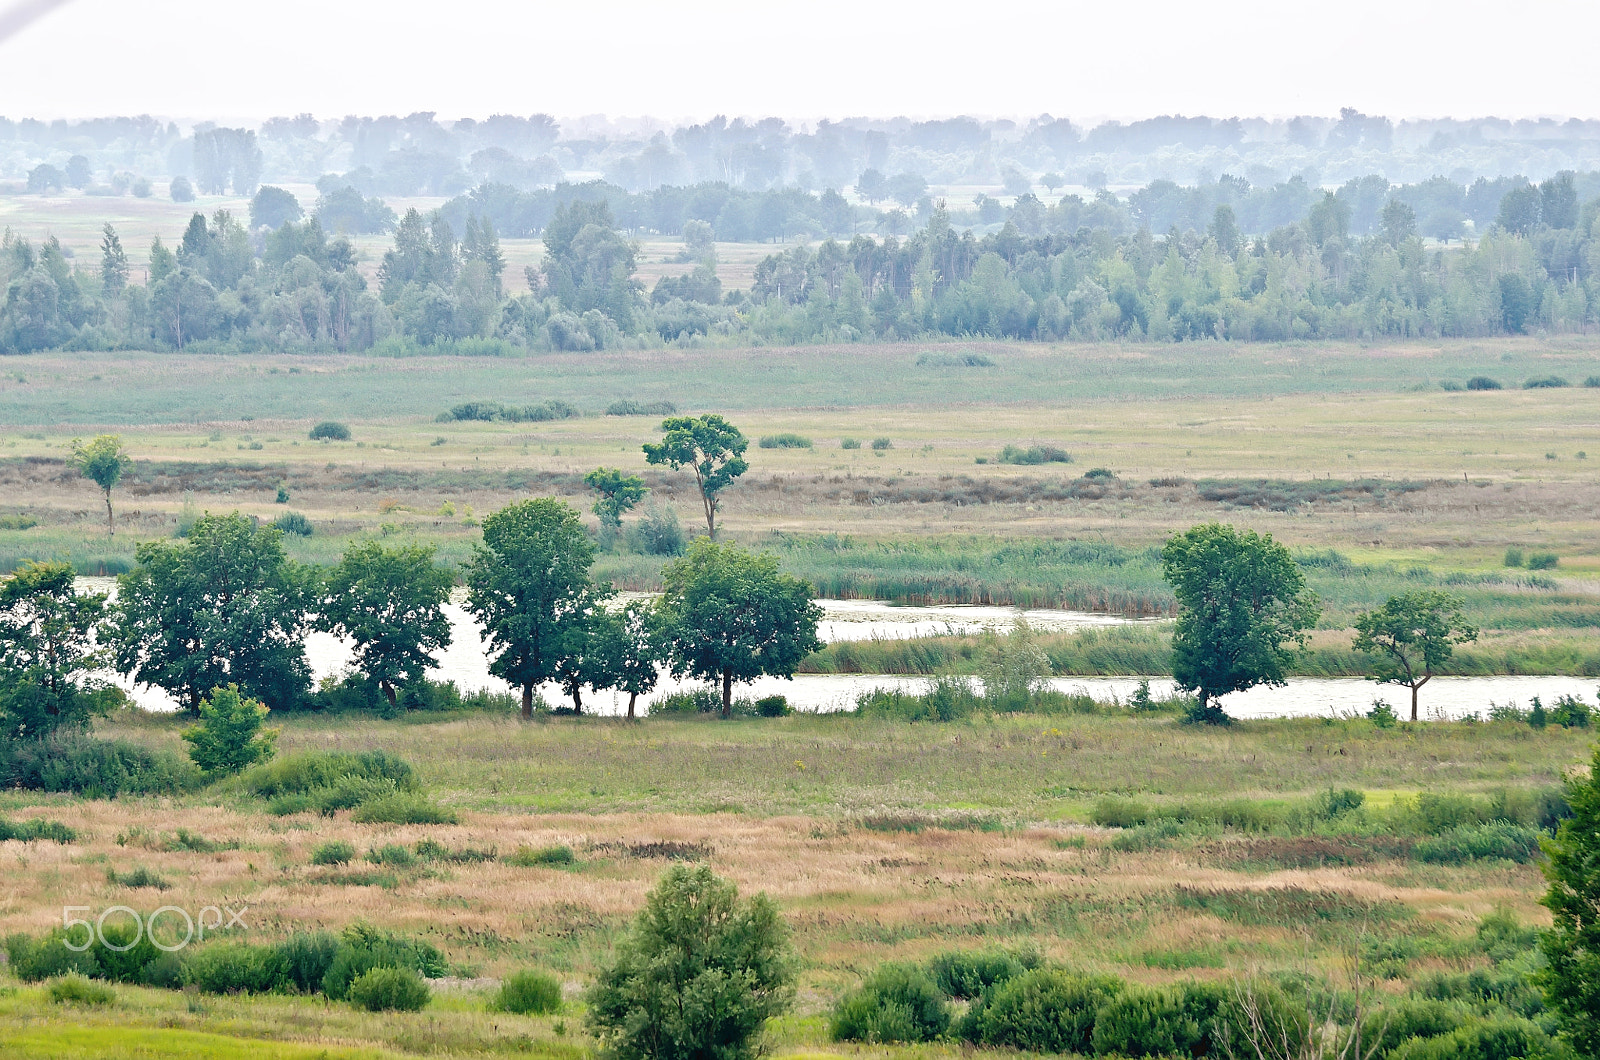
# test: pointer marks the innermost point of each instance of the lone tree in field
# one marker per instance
(697, 976)
(389, 603)
(102, 462)
(709, 444)
(1412, 635)
(1571, 947)
(618, 492)
(224, 606)
(528, 583)
(48, 652)
(229, 737)
(1243, 612)
(728, 615)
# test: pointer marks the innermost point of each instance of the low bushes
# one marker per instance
(36, 829)
(381, 788)
(897, 1003)
(784, 441)
(389, 990)
(96, 769)
(530, 857)
(1033, 454)
(1474, 842)
(965, 975)
(330, 431)
(490, 411)
(529, 993)
(333, 852)
(1047, 1010)
(645, 408)
(293, 523)
(75, 989)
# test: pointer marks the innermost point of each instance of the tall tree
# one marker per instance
(113, 263)
(102, 462)
(618, 491)
(48, 652)
(528, 583)
(1412, 635)
(627, 652)
(730, 616)
(1571, 978)
(1399, 222)
(1243, 611)
(389, 603)
(224, 606)
(710, 445)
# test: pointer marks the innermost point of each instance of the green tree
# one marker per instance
(698, 975)
(102, 462)
(1399, 222)
(224, 606)
(229, 737)
(1243, 611)
(618, 491)
(1520, 209)
(389, 603)
(1571, 946)
(113, 263)
(628, 651)
(272, 207)
(48, 652)
(710, 445)
(1224, 230)
(528, 583)
(1412, 635)
(732, 616)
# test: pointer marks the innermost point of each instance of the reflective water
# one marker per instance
(466, 663)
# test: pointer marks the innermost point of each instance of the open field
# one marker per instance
(879, 840)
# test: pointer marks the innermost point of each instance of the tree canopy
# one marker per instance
(102, 462)
(1571, 946)
(732, 616)
(389, 603)
(48, 652)
(1411, 636)
(1243, 611)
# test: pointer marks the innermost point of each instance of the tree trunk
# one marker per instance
(388, 692)
(527, 702)
(577, 699)
(727, 693)
(633, 697)
(111, 523)
(1414, 701)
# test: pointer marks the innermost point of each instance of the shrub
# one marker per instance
(306, 957)
(75, 989)
(1047, 1011)
(1543, 561)
(402, 808)
(122, 950)
(389, 990)
(1570, 712)
(647, 408)
(493, 410)
(699, 973)
(529, 993)
(896, 1003)
(394, 855)
(785, 441)
(363, 948)
(1382, 714)
(1144, 1022)
(1386, 1028)
(1513, 557)
(428, 850)
(964, 975)
(229, 736)
(529, 857)
(293, 523)
(1099, 474)
(1482, 382)
(333, 852)
(1474, 842)
(236, 968)
(181, 189)
(773, 707)
(849, 443)
(139, 876)
(1545, 382)
(35, 829)
(656, 532)
(1034, 454)
(1498, 1039)
(96, 769)
(32, 960)
(308, 771)
(880, 444)
(330, 431)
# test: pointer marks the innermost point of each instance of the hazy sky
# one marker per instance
(818, 58)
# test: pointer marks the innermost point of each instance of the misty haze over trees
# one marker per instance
(1168, 229)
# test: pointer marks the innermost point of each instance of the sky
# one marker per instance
(229, 61)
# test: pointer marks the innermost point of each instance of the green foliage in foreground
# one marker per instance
(1572, 946)
(699, 974)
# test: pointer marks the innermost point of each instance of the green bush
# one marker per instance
(36, 829)
(1474, 842)
(529, 993)
(849, 443)
(1545, 382)
(293, 523)
(785, 441)
(1543, 561)
(330, 431)
(1513, 557)
(138, 876)
(529, 857)
(1146, 1022)
(1496, 1039)
(236, 968)
(363, 948)
(306, 957)
(1034, 454)
(32, 960)
(96, 769)
(428, 850)
(641, 408)
(964, 974)
(229, 737)
(1482, 382)
(333, 852)
(896, 1003)
(1045, 1011)
(656, 532)
(1570, 712)
(389, 990)
(122, 950)
(773, 707)
(393, 855)
(402, 808)
(699, 973)
(880, 444)
(75, 989)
